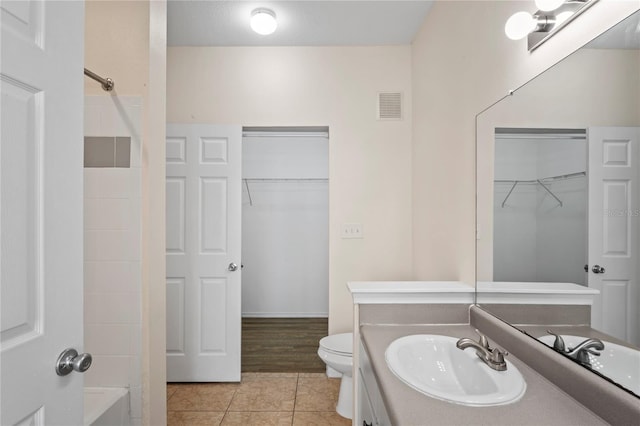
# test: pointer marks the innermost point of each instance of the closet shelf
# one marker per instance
(278, 180)
(540, 182)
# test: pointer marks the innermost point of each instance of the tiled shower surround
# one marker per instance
(112, 245)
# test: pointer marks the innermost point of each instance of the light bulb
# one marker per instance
(263, 21)
(561, 17)
(548, 5)
(519, 25)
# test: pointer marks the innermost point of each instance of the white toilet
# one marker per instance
(337, 352)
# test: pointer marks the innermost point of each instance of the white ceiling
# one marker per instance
(300, 23)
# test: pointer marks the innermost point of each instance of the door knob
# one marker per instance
(232, 267)
(69, 360)
(597, 269)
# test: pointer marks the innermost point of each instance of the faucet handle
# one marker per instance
(558, 343)
(498, 355)
(484, 342)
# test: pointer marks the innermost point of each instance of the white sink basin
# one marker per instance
(434, 366)
(619, 363)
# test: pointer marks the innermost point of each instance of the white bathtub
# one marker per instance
(106, 407)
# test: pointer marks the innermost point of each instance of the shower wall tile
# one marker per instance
(108, 371)
(112, 277)
(136, 401)
(111, 245)
(112, 308)
(99, 151)
(112, 268)
(123, 152)
(107, 214)
(112, 183)
(109, 339)
(92, 119)
(135, 338)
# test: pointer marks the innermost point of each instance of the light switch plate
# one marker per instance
(352, 230)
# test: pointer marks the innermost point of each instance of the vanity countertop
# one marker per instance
(411, 292)
(542, 404)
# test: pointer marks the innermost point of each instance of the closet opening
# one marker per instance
(541, 197)
(285, 247)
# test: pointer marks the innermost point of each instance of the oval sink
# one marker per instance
(619, 363)
(434, 366)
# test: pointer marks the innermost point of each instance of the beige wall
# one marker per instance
(369, 160)
(462, 63)
(126, 41)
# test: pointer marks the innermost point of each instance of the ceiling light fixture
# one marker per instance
(263, 21)
(549, 19)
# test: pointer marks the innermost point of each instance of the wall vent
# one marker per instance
(390, 106)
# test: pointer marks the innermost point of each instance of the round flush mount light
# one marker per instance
(263, 21)
(519, 25)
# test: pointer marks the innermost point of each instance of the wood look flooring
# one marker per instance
(278, 345)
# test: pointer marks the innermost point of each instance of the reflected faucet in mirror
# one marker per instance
(575, 128)
(581, 351)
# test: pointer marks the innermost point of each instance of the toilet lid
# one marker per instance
(338, 343)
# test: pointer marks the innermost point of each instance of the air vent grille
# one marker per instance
(390, 106)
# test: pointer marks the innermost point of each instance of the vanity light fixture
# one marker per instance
(263, 21)
(549, 19)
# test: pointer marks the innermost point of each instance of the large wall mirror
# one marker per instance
(558, 166)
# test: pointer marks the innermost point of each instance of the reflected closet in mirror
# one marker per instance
(558, 190)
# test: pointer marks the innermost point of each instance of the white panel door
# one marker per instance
(41, 155)
(614, 229)
(204, 202)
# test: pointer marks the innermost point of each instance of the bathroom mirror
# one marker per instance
(558, 188)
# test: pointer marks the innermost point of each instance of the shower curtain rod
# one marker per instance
(107, 83)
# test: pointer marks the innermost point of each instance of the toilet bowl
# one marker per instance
(337, 352)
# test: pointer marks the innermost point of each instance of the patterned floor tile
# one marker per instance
(257, 418)
(265, 394)
(194, 418)
(317, 394)
(202, 397)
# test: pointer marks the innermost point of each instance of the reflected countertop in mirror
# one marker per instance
(558, 172)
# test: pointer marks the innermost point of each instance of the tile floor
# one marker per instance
(260, 399)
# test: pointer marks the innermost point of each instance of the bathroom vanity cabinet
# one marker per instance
(384, 312)
(384, 400)
(369, 405)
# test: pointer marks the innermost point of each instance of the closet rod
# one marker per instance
(558, 177)
(538, 182)
(541, 183)
(246, 182)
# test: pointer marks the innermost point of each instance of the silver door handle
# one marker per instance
(232, 267)
(69, 360)
(597, 269)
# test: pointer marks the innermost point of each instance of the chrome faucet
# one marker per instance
(493, 357)
(581, 352)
